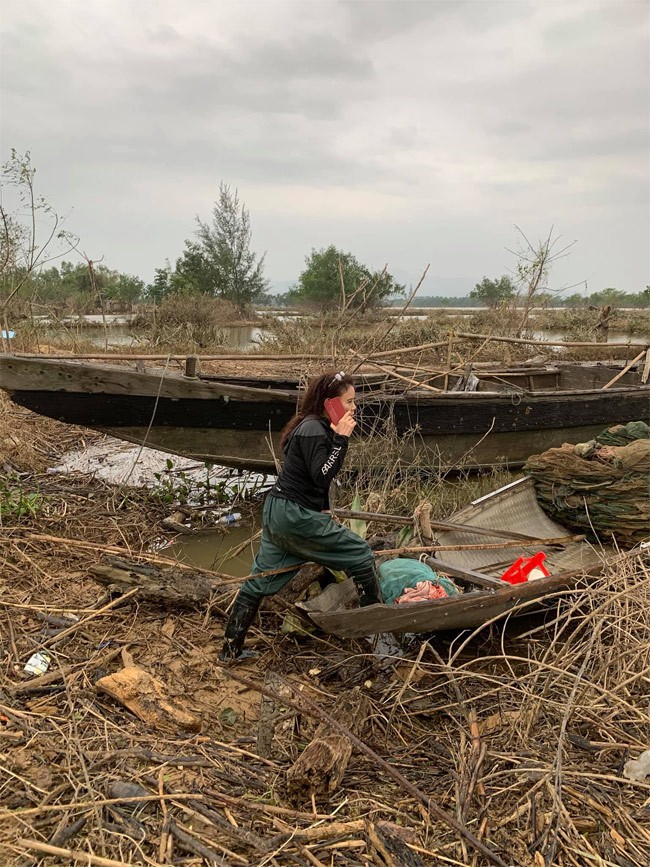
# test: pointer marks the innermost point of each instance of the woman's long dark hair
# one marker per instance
(329, 384)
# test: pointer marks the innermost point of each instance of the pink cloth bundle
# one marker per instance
(422, 592)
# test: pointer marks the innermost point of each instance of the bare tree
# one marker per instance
(533, 267)
(30, 236)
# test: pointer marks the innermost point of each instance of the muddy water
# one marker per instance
(244, 337)
(214, 549)
(121, 463)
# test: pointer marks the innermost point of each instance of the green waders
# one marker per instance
(293, 535)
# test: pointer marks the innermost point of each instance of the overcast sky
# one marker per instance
(408, 133)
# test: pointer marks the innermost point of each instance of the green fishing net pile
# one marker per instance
(601, 488)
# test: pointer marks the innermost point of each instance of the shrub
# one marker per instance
(192, 321)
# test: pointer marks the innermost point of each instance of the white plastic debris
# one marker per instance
(38, 663)
(638, 769)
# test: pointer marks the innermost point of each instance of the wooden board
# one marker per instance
(458, 612)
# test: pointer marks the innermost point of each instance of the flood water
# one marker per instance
(119, 334)
(244, 337)
(214, 549)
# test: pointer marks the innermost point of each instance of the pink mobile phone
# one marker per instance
(335, 409)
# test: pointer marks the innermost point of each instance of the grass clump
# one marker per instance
(185, 323)
(17, 503)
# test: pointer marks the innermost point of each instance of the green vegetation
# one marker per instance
(333, 278)
(16, 503)
(181, 489)
(80, 286)
(493, 293)
(220, 262)
(176, 487)
(615, 297)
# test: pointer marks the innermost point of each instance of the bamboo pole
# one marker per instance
(407, 349)
(121, 356)
(422, 549)
(71, 854)
(399, 376)
(467, 336)
(437, 525)
(625, 369)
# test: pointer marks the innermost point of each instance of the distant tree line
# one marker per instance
(218, 263)
(80, 285)
(493, 293)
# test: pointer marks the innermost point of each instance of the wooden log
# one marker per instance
(268, 716)
(176, 523)
(145, 696)
(191, 366)
(320, 767)
(165, 587)
(300, 582)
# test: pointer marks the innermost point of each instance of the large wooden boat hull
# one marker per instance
(236, 421)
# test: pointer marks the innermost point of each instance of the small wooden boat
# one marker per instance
(477, 570)
(235, 421)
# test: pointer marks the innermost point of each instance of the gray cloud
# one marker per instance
(403, 131)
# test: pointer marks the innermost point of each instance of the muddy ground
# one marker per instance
(508, 746)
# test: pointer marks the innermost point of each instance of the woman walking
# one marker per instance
(297, 525)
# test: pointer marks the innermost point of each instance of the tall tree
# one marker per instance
(334, 278)
(222, 258)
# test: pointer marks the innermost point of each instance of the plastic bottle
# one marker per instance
(229, 519)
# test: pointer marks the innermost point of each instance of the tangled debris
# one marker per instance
(518, 733)
(602, 486)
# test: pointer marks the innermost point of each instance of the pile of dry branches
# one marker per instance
(503, 746)
(520, 740)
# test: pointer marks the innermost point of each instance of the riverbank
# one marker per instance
(207, 326)
(520, 733)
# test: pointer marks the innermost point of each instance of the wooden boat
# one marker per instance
(235, 420)
(485, 596)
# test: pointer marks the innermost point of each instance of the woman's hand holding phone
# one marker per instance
(345, 426)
